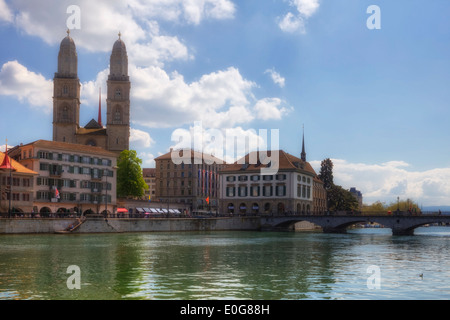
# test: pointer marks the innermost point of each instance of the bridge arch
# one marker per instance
(400, 225)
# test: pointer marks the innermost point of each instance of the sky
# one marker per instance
(369, 88)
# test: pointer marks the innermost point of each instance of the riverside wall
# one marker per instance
(119, 225)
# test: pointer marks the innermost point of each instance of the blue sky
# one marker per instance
(374, 101)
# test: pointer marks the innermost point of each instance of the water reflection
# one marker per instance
(225, 265)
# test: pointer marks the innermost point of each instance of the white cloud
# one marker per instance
(269, 108)
(5, 13)
(27, 86)
(291, 23)
(228, 144)
(161, 100)
(140, 139)
(148, 159)
(276, 77)
(387, 181)
(296, 22)
(188, 11)
(306, 7)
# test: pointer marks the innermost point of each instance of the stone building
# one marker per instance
(244, 190)
(70, 178)
(193, 180)
(66, 101)
(16, 186)
(294, 189)
(149, 175)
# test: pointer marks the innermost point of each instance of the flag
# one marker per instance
(207, 200)
(56, 193)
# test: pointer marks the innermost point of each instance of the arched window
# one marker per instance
(118, 94)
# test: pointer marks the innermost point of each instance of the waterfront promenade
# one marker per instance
(400, 224)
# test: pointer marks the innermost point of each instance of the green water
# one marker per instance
(227, 265)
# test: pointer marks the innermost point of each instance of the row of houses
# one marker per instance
(51, 177)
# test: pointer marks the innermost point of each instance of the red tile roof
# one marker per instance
(286, 161)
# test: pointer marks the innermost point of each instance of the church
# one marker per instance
(115, 135)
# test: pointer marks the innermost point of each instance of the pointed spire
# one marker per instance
(6, 164)
(100, 106)
(303, 155)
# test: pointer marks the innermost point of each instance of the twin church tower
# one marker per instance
(115, 135)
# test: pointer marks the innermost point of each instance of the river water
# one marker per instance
(228, 265)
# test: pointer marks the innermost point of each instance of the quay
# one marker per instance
(400, 224)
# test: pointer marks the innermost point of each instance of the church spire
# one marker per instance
(303, 155)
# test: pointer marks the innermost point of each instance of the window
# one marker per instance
(254, 191)
(118, 94)
(117, 115)
(267, 178)
(281, 177)
(243, 178)
(281, 191)
(230, 191)
(267, 191)
(231, 178)
(255, 178)
(242, 190)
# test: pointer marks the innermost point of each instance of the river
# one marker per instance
(363, 264)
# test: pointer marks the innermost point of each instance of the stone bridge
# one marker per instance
(400, 224)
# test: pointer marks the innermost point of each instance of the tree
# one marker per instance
(130, 182)
(340, 199)
(326, 173)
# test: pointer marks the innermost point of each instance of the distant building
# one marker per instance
(358, 196)
(149, 175)
(194, 181)
(71, 178)
(16, 186)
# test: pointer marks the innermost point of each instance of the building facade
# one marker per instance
(244, 190)
(149, 175)
(192, 179)
(71, 178)
(66, 101)
(16, 186)
(358, 196)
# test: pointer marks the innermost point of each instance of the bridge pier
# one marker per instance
(402, 232)
(334, 230)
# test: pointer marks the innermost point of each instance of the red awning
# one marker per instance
(122, 210)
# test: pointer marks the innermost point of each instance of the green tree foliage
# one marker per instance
(338, 199)
(326, 173)
(130, 182)
(407, 205)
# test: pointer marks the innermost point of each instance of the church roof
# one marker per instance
(93, 124)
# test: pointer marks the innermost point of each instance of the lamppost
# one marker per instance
(398, 204)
